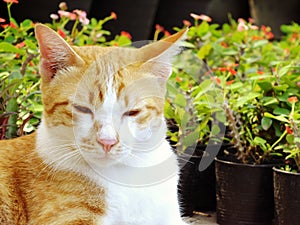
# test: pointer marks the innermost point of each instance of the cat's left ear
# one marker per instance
(158, 55)
(56, 53)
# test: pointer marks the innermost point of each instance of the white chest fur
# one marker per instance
(155, 204)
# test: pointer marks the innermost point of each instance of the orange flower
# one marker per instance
(113, 15)
(11, 1)
(230, 82)
(126, 34)
(293, 99)
(20, 45)
(178, 79)
(259, 72)
(186, 23)
(224, 44)
(167, 33)
(2, 20)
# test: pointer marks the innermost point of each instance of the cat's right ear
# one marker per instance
(56, 53)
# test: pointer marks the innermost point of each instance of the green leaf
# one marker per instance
(259, 140)
(281, 111)
(204, 51)
(191, 138)
(204, 86)
(290, 138)
(280, 118)
(215, 130)
(266, 123)
(260, 43)
(7, 47)
(244, 99)
(180, 100)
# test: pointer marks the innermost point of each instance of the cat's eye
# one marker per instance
(133, 112)
(83, 109)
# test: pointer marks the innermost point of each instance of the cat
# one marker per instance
(99, 155)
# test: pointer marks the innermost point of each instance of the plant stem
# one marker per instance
(8, 11)
(73, 33)
(278, 140)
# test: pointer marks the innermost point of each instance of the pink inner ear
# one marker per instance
(56, 53)
(47, 70)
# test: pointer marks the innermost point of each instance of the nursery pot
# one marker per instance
(286, 197)
(244, 193)
(196, 188)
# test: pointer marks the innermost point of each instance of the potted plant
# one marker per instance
(247, 75)
(263, 83)
(287, 178)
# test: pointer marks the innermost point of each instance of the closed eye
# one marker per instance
(83, 109)
(132, 113)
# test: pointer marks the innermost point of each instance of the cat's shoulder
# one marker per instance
(23, 143)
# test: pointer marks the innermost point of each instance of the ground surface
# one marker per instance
(210, 219)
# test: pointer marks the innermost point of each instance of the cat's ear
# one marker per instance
(158, 55)
(55, 52)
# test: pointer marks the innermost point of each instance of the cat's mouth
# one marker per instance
(99, 155)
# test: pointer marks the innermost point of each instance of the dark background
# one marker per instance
(139, 17)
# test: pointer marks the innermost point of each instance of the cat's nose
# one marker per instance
(107, 143)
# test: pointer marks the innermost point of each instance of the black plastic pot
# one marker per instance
(244, 193)
(286, 197)
(196, 188)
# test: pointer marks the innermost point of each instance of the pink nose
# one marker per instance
(107, 143)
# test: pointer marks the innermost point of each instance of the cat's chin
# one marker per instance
(98, 159)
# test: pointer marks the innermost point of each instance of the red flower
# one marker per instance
(224, 44)
(126, 34)
(230, 82)
(20, 45)
(293, 99)
(113, 15)
(13, 25)
(288, 130)
(259, 72)
(223, 69)
(167, 33)
(217, 79)
(232, 71)
(61, 33)
(159, 28)
(11, 1)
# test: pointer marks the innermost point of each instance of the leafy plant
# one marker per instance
(245, 77)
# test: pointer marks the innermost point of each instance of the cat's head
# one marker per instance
(104, 102)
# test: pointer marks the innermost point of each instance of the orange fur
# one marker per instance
(30, 191)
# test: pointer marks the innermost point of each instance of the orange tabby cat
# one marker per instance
(99, 155)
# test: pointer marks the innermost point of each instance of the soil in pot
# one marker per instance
(286, 197)
(244, 193)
